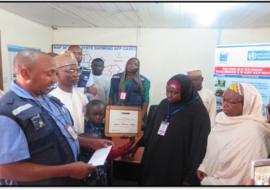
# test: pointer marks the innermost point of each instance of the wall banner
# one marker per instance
(242, 63)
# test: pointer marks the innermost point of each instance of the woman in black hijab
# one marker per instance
(175, 143)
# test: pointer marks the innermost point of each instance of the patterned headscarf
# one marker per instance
(237, 88)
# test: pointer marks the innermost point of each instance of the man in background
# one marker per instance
(101, 81)
(208, 98)
(67, 71)
(86, 82)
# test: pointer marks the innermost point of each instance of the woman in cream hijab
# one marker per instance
(240, 135)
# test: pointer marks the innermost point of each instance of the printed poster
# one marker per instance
(242, 63)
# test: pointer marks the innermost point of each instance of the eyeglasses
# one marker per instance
(232, 102)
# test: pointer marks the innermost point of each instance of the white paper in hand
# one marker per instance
(99, 156)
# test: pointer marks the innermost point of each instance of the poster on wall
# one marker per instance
(242, 63)
(12, 51)
(115, 57)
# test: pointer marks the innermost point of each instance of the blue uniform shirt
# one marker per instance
(14, 146)
(13, 142)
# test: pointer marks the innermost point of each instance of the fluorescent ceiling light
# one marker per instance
(204, 13)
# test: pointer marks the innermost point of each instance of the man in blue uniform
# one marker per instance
(38, 143)
(86, 81)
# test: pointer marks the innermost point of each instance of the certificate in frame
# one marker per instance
(122, 121)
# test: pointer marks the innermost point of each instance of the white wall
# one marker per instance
(84, 36)
(16, 30)
(162, 52)
(165, 52)
(245, 36)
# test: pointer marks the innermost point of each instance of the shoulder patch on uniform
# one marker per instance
(21, 109)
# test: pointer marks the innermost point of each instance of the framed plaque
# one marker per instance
(122, 121)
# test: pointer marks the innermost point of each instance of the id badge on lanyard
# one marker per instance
(71, 132)
(123, 96)
(163, 128)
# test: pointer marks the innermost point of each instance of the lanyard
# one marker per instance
(169, 115)
(62, 111)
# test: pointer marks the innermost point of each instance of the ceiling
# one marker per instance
(138, 14)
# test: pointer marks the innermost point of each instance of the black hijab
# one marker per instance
(173, 158)
(188, 93)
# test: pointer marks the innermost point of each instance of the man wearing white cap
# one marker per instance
(208, 98)
(68, 73)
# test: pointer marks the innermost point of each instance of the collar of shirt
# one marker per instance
(20, 91)
(95, 127)
(23, 93)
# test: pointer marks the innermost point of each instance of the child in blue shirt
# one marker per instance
(95, 128)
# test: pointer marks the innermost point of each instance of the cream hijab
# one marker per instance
(235, 141)
(252, 100)
(251, 109)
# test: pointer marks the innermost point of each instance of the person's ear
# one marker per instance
(202, 78)
(25, 73)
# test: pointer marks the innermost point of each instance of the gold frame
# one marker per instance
(124, 108)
